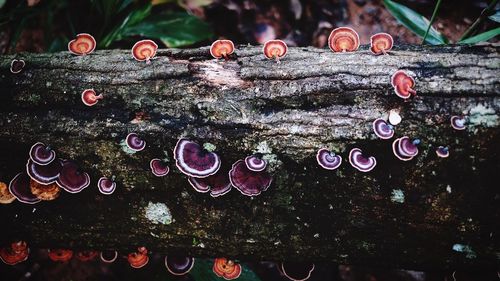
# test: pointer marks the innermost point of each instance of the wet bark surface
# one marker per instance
(312, 99)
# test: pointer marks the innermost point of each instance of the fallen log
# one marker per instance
(429, 212)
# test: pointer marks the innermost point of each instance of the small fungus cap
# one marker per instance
(14, 253)
(194, 160)
(19, 186)
(218, 184)
(381, 43)
(458, 122)
(83, 44)
(90, 98)
(72, 178)
(5, 196)
(360, 162)
(442, 151)
(226, 269)
(106, 186)
(86, 255)
(144, 50)
(158, 167)
(328, 159)
(403, 84)
(255, 163)
(108, 256)
(222, 48)
(275, 49)
(60, 255)
(248, 182)
(45, 192)
(16, 66)
(297, 271)
(179, 265)
(343, 39)
(134, 142)
(44, 174)
(382, 129)
(42, 154)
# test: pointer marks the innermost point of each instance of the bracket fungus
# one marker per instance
(72, 178)
(44, 174)
(83, 44)
(297, 271)
(138, 259)
(381, 43)
(382, 129)
(15, 253)
(86, 255)
(218, 184)
(442, 151)
(42, 154)
(255, 163)
(360, 162)
(134, 142)
(458, 122)
(60, 255)
(328, 159)
(194, 160)
(343, 39)
(222, 49)
(108, 256)
(106, 185)
(144, 50)
(5, 196)
(90, 98)
(158, 167)
(45, 192)
(179, 265)
(226, 269)
(403, 84)
(275, 49)
(404, 148)
(16, 66)
(248, 182)
(19, 186)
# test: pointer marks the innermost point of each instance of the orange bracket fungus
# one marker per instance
(86, 255)
(60, 255)
(226, 269)
(90, 98)
(17, 66)
(139, 258)
(343, 39)
(275, 49)
(44, 192)
(15, 253)
(5, 196)
(144, 50)
(222, 49)
(83, 44)
(403, 84)
(381, 43)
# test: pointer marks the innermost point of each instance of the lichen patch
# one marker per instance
(158, 213)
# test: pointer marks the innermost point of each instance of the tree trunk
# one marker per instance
(405, 214)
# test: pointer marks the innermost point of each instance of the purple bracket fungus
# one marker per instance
(71, 178)
(106, 185)
(17, 66)
(248, 182)
(90, 98)
(222, 49)
(144, 50)
(83, 44)
(442, 151)
(179, 265)
(381, 43)
(328, 159)
(382, 129)
(158, 167)
(134, 142)
(458, 122)
(194, 160)
(297, 271)
(343, 39)
(108, 256)
(360, 162)
(255, 163)
(42, 154)
(19, 186)
(275, 49)
(218, 184)
(404, 148)
(403, 84)
(44, 174)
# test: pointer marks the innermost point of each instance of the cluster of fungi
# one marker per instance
(46, 174)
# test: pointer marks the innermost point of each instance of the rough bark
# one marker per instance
(312, 99)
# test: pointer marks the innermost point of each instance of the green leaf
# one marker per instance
(173, 29)
(495, 16)
(481, 37)
(415, 22)
(2, 2)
